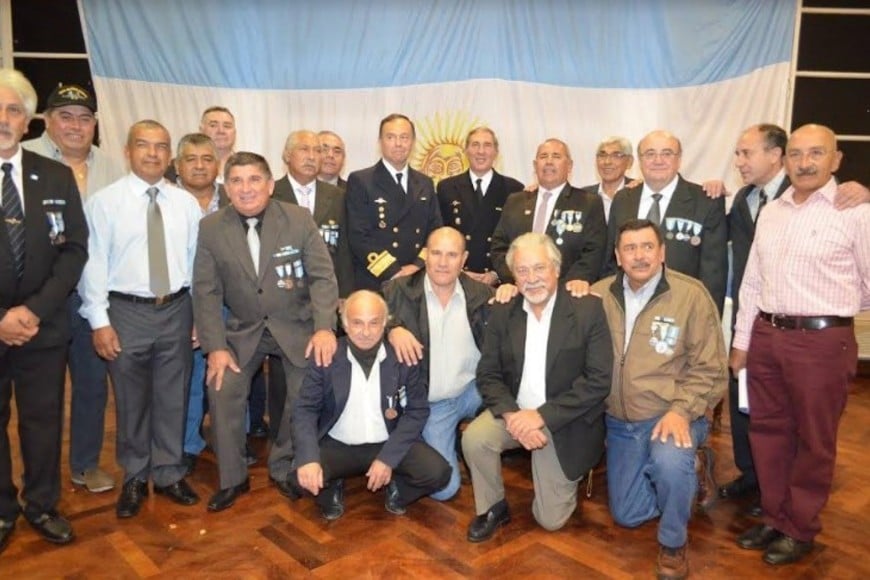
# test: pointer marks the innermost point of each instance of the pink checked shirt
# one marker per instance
(807, 260)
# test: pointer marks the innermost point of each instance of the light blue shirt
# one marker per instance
(118, 243)
(770, 188)
(636, 301)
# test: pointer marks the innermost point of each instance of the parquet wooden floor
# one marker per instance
(265, 536)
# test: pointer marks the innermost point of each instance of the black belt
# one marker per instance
(157, 301)
(804, 322)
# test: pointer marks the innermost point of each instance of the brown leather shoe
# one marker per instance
(673, 563)
(707, 491)
(786, 550)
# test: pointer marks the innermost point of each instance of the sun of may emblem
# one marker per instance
(440, 148)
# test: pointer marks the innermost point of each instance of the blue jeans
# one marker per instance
(440, 432)
(648, 479)
(90, 390)
(193, 441)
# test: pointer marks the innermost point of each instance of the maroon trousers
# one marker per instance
(798, 381)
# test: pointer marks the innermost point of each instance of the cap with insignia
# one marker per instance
(65, 95)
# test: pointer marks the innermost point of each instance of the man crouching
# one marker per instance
(364, 414)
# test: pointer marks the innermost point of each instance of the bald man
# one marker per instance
(438, 318)
(807, 276)
(363, 414)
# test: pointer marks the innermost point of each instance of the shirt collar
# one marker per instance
(827, 191)
(601, 187)
(546, 312)
(667, 191)
(382, 354)
(57, 154)
(771, 187)
(430, 290)
(485, 179)
(15, 160)
(393, 171)
(647, 289)
(140, 186)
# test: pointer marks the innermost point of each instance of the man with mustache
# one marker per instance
(70, 125)
(807, 276)
(544, 374)
(472, 202)
(43, 247)
(670, 365)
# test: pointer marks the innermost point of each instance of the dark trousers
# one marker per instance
(89, 393)
(37, 376)
(740, 435)
(798, 382)
(151, 377)
(421, 472)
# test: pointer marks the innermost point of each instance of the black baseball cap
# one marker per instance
(65, 95)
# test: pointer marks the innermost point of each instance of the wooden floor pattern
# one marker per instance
(265, 536)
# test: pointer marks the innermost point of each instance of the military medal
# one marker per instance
(669, 222)
(391, 412)
(696, 239)
(382, 224)
(560, 229)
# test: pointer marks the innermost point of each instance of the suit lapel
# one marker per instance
(560, 325)
(389, 380)
(341, 376)
(527, 220)
(291, 193)
(743, 208)
(682, 203)
(273, 224)
(786, 183)
(34, 215)
(517, 331)
(322, 204)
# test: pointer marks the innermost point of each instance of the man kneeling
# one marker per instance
(544, 374)
(364, 414)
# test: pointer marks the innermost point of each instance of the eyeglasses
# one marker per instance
(538, 270)
(615, 156)
(666, 154)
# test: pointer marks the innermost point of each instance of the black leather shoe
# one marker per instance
(786, 550)
(6, 528)
(179, 492)
(133, 494)
(259, 431)
(754, 509)
(393, 501)
(250, 456)
(189, 461)
(227, 497)
(738, 488)
(288, 487)
(51, 526)
(331, 500)
(758, 537)
(484, 526)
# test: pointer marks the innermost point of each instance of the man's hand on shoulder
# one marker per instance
(409, 350)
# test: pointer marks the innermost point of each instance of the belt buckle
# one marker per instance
(773, 323)
(161, 300)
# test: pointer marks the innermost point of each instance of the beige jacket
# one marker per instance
(675, 360)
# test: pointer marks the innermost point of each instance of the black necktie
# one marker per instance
(13, 215)
(399, 181)
(478, 192)
(762, 201)
(655, 211)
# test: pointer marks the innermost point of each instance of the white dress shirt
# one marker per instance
(453, 354)
(118, 243)
(646, 199)
(533, 384)
(551, 203)
(393, 171)
(361, 421)
(485, 180)
(607, 200)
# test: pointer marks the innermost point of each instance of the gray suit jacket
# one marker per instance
(329, 213)
(224, 275)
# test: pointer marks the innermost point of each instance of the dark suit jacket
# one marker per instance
(579, 367)
(387, 229)
(475, 219)
(582, 252)
(329, 213)
(51, 270)
(741, 232)
(406, 298)
(223, 274)
(706, 261)
(342, 184)
(324, 394)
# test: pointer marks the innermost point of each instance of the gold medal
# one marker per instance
(391, 414)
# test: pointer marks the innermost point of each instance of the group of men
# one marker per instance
(606, 326)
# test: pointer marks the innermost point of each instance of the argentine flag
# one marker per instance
(578, 70)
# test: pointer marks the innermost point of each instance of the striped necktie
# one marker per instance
(13, 215)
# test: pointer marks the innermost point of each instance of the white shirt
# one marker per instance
(635, 301)
(551, 203)
(15, 160)
(607, 200)
(311, 187)
(533, 384)
(453, 355)
(118, 242)
(393, 171)
(646, 199)
(485, 180)
(361, 421)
